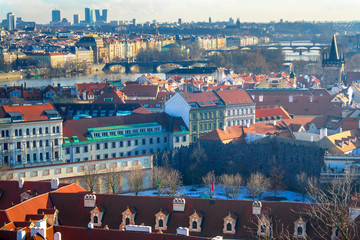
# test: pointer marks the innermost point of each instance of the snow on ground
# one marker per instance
(198, 191)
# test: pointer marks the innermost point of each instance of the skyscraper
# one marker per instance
(11, 21)
(76, 18)
(101, 18)
(89, 15)
(55, 16)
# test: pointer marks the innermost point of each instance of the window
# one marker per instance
(136, 142)
(127, 221)
(144, 151)
(81, 168)
(18, 158)
(135, 162)
(106, 156)
(28, 157)
(16, 132)
(86, 149)
(53, 130)
(158, 140)
(27, 132)
(97, 146)
(105, 145)
(144, 141)
(184, 138)
(96, 220)
(56, 154)
(121, 144)
(46, 173)
(46, 130)
(47, 143)
(40, 143)
(41, 156)
(58, 171)
(58, 129)
(161, 223)
(129, 144)
(35, 173)
(40, 130)
(6, 146)
(229, 227)
(34, 131)
(34, 157)
(150, 140)
(113, 144)
(56, 142)
(125, 164)
(165, 139)
(18, 145)
(20, 132)
(113, 155)
(98, 157)
(77, 150)
(194, 225)
(300, 231)
(129, 153)
(177, 139)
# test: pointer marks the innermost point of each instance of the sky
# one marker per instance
(188, 10)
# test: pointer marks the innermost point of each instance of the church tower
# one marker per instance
(333, 66)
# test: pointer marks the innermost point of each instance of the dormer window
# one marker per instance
(195, 222)
(128, 218)
(229, 223)
(264, 227)
(96, 216)
(300, 228)
(161, 220)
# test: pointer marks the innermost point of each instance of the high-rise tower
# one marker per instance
(89, 15)
(55, 16)
(11, 20)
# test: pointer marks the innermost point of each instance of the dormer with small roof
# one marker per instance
(300, 228)
(230, 223)
(195, 221)
(128, 217)
(96, 216)
(161, 220)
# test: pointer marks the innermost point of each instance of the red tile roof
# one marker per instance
(203, 99)
(235, 97)
(29, 112)
(90, 86)
(272, 112)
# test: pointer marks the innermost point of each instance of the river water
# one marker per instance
(75, 80)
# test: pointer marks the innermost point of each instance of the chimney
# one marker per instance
(138, 228)
(179, 205)
(217, 238)
(90, 200)
(224, 128)
(312, 138)
(182, 231)
(21, 182)
(256, 208)
(90, 226)
(311, 98)
(40, 227)
(57, 236)
(247, 125)
(323, 132)
(274, 122)
(291, 98)
(21, 235)
(54, 183)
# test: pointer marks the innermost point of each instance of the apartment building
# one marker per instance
(120, 136)
(30, 134)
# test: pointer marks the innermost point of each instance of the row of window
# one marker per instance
(130, 131)
(206, 115)
(239, 112)
(20, 158)
(240, 122)
(28, 131)
(31, 144)
(58, 171)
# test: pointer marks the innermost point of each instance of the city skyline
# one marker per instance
(171, 11)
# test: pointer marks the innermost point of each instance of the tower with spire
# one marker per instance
(333, 65)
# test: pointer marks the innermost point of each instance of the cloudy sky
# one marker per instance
(189, 10)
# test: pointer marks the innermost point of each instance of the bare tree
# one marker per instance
(257, 185)
(302, 183)
(231, 185)
(276, 179)
(208, 180)
(113, 179)
(159, 179)
(173, 181)
(136, 179)
(91, 178)
(332, 213)
(198, 155)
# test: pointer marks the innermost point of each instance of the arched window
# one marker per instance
(40, 130)
(229, 227)
(46, 130)
(194, 225)
(16, 132)
(161, 223)
(127, 221)
(96, 220)
(300, 231)
(20, 132)
(34, 131)
(27, 131)
(58, 129)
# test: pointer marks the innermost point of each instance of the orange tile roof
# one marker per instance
(30, 112)
(235, 97)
